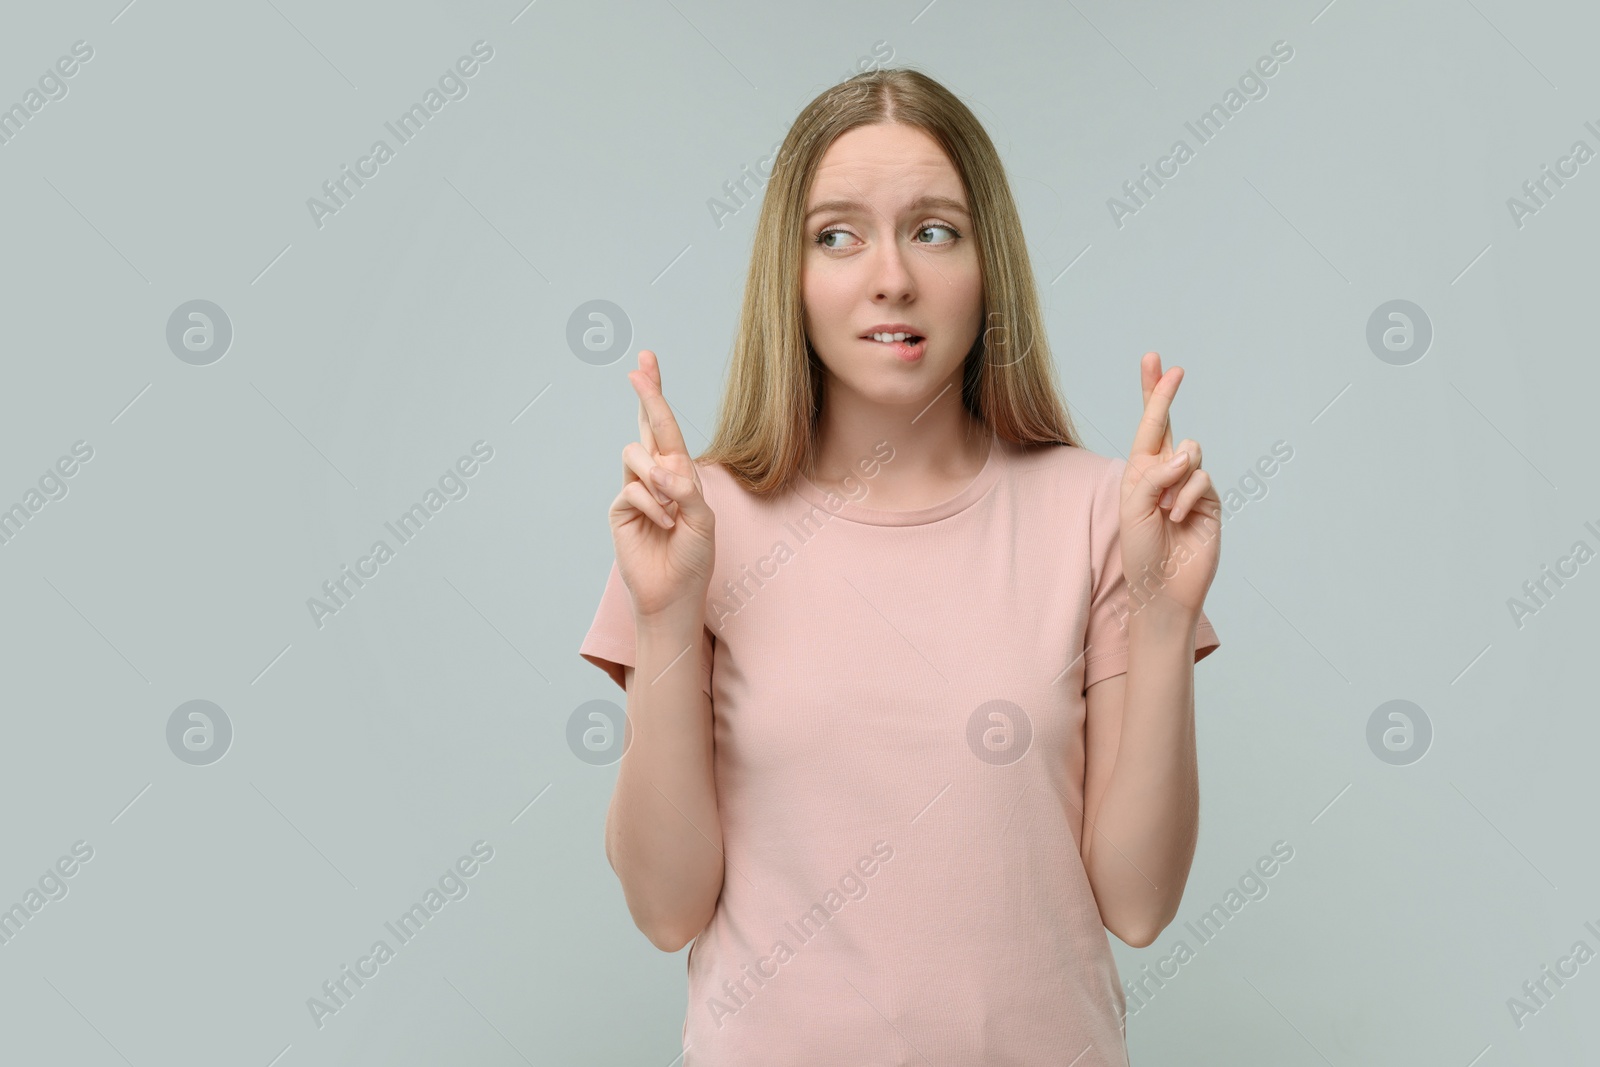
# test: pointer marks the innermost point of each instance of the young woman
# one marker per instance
(903, 746)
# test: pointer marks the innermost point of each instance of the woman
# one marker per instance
(903, 748)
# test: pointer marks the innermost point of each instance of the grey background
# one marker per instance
(431, 312)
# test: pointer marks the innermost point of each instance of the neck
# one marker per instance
(934, 441)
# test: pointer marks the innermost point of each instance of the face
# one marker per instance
(896, 247)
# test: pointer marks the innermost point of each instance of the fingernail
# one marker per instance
(1180, 459)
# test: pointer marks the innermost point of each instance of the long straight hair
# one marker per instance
(766, 430)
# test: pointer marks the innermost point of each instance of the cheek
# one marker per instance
(973, 302)
(972, 284)
(961, 302)
(958, 285)
(823, 298)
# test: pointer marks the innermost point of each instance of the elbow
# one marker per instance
(1141, 931)
(668, 924)
(1138, 937)
(665, 931)
(667, 940)
(670, 936)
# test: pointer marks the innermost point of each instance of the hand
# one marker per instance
(664, 531)
(1171, 515)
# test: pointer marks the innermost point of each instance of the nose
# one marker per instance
(891, 278)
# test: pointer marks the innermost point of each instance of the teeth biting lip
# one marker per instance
(910, 350)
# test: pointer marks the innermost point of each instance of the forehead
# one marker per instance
(884, 163)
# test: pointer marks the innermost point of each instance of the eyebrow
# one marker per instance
(919, 204)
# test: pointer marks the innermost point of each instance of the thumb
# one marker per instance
(1156, 476)
(682, 487)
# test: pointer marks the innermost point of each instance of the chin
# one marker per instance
(911, 386)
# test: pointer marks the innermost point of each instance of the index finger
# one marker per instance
(1153, 424)
(658, 430)
(1150, 373)
(646, 438)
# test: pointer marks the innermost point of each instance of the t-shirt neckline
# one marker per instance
(845, 508)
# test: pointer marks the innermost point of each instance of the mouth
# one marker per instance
(911, 348)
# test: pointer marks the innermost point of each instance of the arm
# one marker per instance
(663, 834)
(1141, 779)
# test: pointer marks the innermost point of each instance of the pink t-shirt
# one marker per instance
(899, 708)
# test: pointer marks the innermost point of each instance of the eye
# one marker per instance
(823, 235)
(954, 235)
(821, 238)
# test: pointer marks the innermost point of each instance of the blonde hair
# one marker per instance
(766, 430)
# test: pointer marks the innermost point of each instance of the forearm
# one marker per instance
(663, 834)
(1147, 823)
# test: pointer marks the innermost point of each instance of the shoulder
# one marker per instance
(716, 483)
(721, 486)
(727, 496)
(1066, 487)
(1068, 467)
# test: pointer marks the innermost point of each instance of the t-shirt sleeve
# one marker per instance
(1106, 637)
(609, 644)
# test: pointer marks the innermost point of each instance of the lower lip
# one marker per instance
(908, 352)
